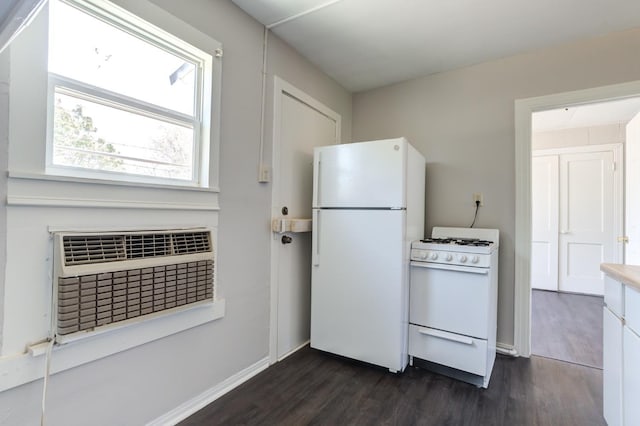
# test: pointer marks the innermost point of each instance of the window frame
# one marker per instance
(200, 123)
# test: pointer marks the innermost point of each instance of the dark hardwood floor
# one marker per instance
(315, 388)
(567, 327)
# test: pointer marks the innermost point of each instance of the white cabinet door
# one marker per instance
(544, 222)
(587, 236)
(612, 368)
(631, 379)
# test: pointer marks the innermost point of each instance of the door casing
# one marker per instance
(523, 110)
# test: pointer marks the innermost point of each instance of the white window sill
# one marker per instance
(40, 190)
(17, 370)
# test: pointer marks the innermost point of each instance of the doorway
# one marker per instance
(524, 109)
(300, 123)
(576, 205)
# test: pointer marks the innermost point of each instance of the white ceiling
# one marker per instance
(620, 111)
(365, 44)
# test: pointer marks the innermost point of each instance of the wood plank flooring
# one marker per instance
(315, 388)
(567, 327)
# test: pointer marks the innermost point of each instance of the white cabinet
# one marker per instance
(612, 368)
(631, 357)
(631, 380)
(621, 345)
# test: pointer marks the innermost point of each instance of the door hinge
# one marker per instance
(623, 239)
(614, 166)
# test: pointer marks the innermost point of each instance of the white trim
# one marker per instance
(523, 110)
(19, 369)
(36, 190)
(616, 148)
(198, 402)
(282, 88)
(87, 181)
(505, 349)
(294, 350)
(27, 201)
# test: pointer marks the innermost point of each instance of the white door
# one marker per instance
(544, 222)
(587, 232)
(632, 192)
(300, 124)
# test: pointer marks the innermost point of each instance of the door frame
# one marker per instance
(523, 110)
(618, 185)
(283, 88)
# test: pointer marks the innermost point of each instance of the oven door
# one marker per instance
(450, 298)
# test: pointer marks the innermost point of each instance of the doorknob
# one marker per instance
(286, 239)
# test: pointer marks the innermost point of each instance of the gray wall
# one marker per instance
(141, 384)
(463, 122)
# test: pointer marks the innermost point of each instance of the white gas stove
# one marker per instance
(453, 302)
(457, 246)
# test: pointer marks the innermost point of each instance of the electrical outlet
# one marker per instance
(477, 196)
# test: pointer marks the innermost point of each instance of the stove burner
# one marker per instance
(475, 242)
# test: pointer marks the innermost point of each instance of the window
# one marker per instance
(127, 101)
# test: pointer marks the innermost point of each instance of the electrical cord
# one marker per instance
(47, 371)
(51, 340)
(475, 216)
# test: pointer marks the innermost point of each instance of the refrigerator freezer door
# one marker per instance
(359, 286)
(363, 174)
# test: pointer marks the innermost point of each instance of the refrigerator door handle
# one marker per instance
(316, 177)
(315, 238)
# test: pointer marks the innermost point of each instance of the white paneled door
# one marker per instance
(576, 217)
(544, 222)
(587, 236)
(300, 124)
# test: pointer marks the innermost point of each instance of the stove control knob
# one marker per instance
(448, 257)
(475, 259)
(423, 255)
(462, 258)
(433, 256)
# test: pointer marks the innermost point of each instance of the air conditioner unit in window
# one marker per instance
(108, 279)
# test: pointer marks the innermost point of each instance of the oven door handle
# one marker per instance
(456, 268)
(446, 336)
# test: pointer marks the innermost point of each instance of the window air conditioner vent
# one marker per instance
(83, 249)
(192, 242)
(102, 279)
(88, 249)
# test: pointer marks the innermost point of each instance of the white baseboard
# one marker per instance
(188, 408)
(504, 349)
(294, 350)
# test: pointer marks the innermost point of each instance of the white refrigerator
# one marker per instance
(368, 205)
